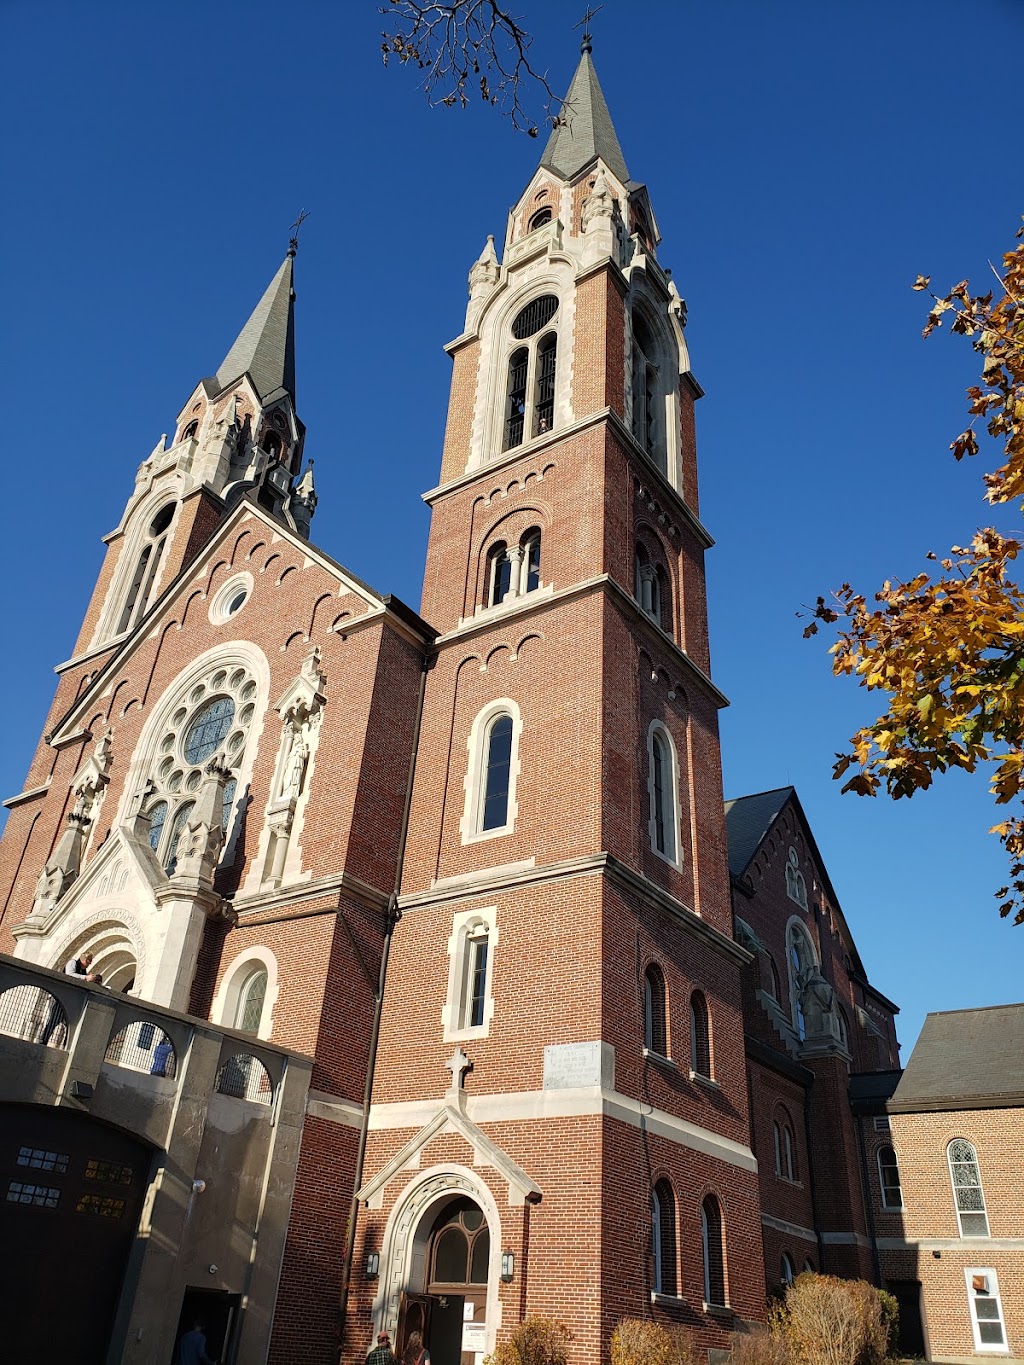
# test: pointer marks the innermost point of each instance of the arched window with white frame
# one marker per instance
(513, 570)
(532, 367)
(889, 1178)
(801, 960)
(663, 794)
(247, 994)
(471, 954)
(147, 566)
(968, 1194)
(492, 772)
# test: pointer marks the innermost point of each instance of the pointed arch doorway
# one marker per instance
(447, 1298)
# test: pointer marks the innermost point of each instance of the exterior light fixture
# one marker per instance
(508, 1266)
(372, 1265)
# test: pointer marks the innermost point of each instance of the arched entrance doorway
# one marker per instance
(448, 1305)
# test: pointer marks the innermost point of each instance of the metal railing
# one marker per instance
(245, 1077)
(142, 1046)
(33, 1014)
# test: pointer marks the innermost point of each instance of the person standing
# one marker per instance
(415, 1352)
(192, 1348)
(382, 1353)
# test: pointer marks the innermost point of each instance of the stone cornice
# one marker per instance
(492, 880)
(29, 794)
(248, 906)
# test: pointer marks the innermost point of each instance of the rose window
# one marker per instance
(214, 717)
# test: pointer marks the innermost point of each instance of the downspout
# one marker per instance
(811, 1183)
(393, 915)
(865, 1176)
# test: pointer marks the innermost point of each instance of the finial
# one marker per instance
(586, 44)
(293, 240)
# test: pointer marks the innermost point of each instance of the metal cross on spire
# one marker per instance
(584, 24)
(293, 240)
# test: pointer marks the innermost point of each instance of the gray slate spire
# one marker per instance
(265, 347)
(588, 130)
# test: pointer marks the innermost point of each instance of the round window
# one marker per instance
(231, 597)
(209, 729)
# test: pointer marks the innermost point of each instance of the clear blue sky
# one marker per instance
(805, 161)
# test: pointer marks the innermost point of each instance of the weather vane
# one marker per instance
(584, 24)
(293, 240)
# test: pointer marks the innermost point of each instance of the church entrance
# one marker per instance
(71, 1191)
(450, 1310)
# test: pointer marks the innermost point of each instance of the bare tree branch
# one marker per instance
(469, 46)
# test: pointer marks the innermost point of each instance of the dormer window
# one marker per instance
(530, 390)
(539, 219)
(189, 434)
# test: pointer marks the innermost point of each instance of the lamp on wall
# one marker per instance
(372, 1265)
(508, 1266)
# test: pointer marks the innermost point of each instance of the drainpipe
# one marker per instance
(393, 915)
(865, 1176)
(811, 1182)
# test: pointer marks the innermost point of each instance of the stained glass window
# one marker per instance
(209, 729)
(970, 1198)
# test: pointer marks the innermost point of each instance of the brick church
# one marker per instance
(438, 986)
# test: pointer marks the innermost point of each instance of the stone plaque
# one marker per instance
(568, 1065)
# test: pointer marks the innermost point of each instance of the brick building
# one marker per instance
(430, 929)
(957, 1134)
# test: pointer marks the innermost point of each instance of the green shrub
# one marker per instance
(636, 1342)
(537, 1341)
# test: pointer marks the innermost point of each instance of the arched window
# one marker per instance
(796, 887)
(775, 985)
(539, 219)
(777, 1138)
(171, 851)
(889, 1178)
(967, 1191)
(513, 571)
(189, 434)
(655, 1011)
(141, 586)
(530, 389)
(663, 792)
(474, 991)
(648, 585)
(788, 1153)
(801, 960)
(497, 770)
(653, 383)
(251, 998)
(214, 715)
(713, 1249)
(785, 1148)
(460, 1247)
(786, 1273)
(663, 1239)
(490, 784)
(700, 1035)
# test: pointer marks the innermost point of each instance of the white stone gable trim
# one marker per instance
(485, 1153)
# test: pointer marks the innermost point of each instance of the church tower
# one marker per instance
(560, 1119)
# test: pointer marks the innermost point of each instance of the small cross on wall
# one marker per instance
(458, 1064)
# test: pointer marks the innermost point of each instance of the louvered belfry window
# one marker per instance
(530, 400)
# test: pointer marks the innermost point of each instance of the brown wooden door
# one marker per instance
(413, 1316)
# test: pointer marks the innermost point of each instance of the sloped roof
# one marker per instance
(587, 130)
(265, 347)
(747, 820)
(965, 1059)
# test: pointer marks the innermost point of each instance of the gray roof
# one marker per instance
(265, 348)
(747, 820)
(965, 1059)
(587, 130)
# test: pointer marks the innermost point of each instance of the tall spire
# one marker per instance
(586, 129)
(265, 347)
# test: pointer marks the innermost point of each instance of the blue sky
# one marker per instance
(805, 162)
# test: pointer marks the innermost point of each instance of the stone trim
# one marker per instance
(301, 891)
(321, 1105)
(29, 794)
(970, 1247)
(790, 1229)
(584, 1102)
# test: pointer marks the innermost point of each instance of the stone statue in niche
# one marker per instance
(296, 771)
(817, 1001)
